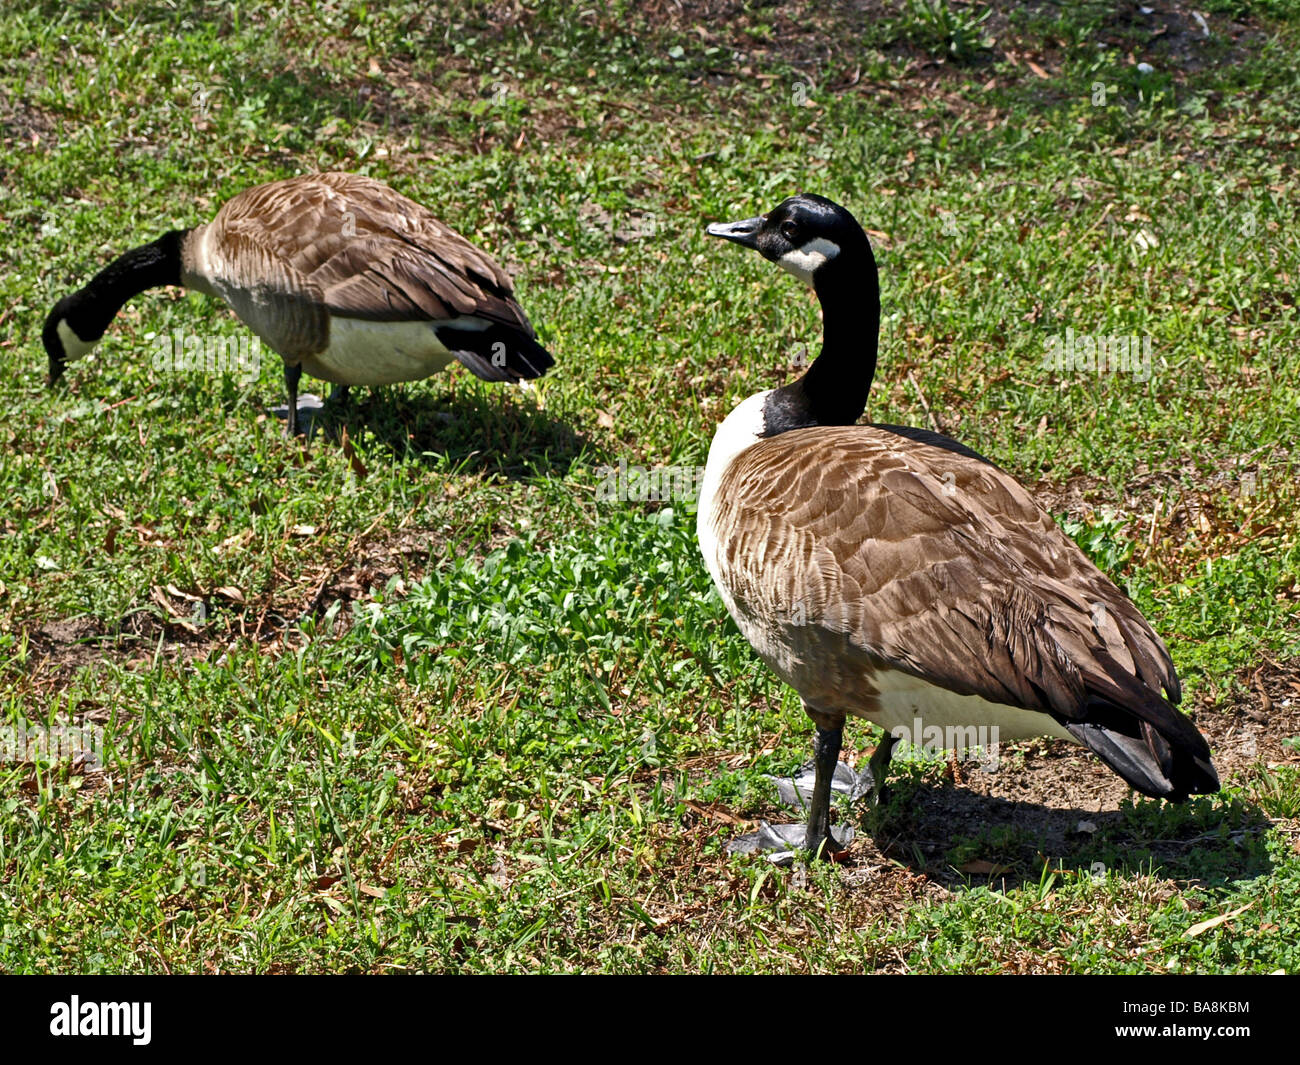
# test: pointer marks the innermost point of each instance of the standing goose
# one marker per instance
(894, 574)
(339, 274)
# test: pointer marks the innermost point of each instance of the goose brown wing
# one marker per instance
(938, 564)
(370, 252)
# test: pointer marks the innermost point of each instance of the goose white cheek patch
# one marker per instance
(73, 346)
(806, 261)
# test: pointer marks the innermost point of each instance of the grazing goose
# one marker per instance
(339, 274)
(894, 574)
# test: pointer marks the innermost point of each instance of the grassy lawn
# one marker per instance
(411, 697)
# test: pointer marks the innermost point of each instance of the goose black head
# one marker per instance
(78, 320)
(823, 245)
(56, 324)
(63, 339)
(808, 235)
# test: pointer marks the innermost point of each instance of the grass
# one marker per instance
(418, 699)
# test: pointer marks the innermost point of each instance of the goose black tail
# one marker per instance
(497, 353)
(1165, 758)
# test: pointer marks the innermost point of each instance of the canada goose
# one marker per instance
(339, 274)
(894, 574)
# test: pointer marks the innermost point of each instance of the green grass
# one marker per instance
(421, 702)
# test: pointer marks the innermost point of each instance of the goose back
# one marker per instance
(859, 564)
(344, 275)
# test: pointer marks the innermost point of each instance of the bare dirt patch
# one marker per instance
(1050, 802)
(61, 649)
(24, 122)
(1033, 807)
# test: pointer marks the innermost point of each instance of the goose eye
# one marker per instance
(789, 230)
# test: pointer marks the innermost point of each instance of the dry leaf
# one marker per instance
(716, 811)
(354, 460)
(1214, 922)
(604, 419)
(169, 610)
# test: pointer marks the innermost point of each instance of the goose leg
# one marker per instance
(826, 755)
(815, 835)
(797, 791)
(828, 774)
(292, 374)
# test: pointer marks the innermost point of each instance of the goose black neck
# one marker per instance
(834, 389)
(90, 309)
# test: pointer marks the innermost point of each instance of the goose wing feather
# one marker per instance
(366, 250)
(936, 563)
(278, 302)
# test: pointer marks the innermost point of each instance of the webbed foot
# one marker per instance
(783, 843)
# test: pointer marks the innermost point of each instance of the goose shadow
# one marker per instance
(469, 432)
(961, 838)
